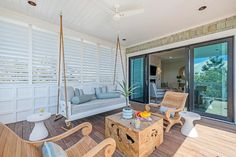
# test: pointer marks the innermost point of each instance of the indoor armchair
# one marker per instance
(169, 108)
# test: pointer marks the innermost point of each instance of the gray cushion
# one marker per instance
(51, 149)
(70, 93)
(163, 110)
(103, 89)
(79, 92)
(97, 90)
(108, 95)
(82, 99)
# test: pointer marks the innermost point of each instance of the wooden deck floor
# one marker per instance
(215, 139)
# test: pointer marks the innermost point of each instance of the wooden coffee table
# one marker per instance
(134, 142)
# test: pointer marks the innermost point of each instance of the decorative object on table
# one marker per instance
(41, 111)
(86, 146)
(126, 92)
(137, 123)
(173, 103)
(39, 131)
(132, 141)
(144, 116)
(188, 129)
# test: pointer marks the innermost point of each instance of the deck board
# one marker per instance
(216, 139)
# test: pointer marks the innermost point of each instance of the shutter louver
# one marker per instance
(90, 62)
(14, 56)
(106, 65)
(44, 57)
(73, 53)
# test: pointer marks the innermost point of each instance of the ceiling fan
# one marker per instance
(117, 14)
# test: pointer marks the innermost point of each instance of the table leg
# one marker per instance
(189, 129)
(39, 132)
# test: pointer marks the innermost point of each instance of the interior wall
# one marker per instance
(170, 69)
(156, 61)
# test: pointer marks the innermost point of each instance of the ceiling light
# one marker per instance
(170, 57)
(32, 2)
(202, 8)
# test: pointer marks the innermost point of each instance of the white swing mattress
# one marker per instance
(98, 104)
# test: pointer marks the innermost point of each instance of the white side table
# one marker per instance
(188, 129)
(39, 131)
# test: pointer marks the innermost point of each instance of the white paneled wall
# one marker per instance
(17, 102)
(29, 63)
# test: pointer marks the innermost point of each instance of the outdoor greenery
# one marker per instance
(213, 75)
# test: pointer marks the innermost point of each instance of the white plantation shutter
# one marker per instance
(106, 66)
(14, 55)
(90, 62)
(44, 57)
(73, 55)
(85, 61)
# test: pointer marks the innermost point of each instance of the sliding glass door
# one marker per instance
(211, 83)
(137, 78)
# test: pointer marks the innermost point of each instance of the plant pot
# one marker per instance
(127, 113)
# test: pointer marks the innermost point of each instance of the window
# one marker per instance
(90, 62)
(13, 53)
(44, 56)
(73, 55)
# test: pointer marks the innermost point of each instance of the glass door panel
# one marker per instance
(137, 78)
(211, 77)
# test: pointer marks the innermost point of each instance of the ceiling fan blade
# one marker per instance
(131, 12)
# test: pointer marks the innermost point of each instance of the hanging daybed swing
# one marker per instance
(64, 107)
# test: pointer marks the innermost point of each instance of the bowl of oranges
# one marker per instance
(144, 116)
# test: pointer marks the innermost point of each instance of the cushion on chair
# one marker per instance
(82, 98)
(108, 95)
(51, 149)
(163, 110)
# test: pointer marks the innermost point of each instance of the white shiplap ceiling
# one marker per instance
(160, 17)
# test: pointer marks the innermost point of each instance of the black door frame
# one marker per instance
(230, 77)
(145, 77)
(188, 75)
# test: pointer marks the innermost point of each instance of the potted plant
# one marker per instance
(126, 92)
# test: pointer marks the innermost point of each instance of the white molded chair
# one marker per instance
(155, 92)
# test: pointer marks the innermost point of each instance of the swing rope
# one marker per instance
(118, 48)
(62, 61)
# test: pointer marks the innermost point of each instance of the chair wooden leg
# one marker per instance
(168, 127)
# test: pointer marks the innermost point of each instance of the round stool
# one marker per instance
(188, 128)
(39, 131)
